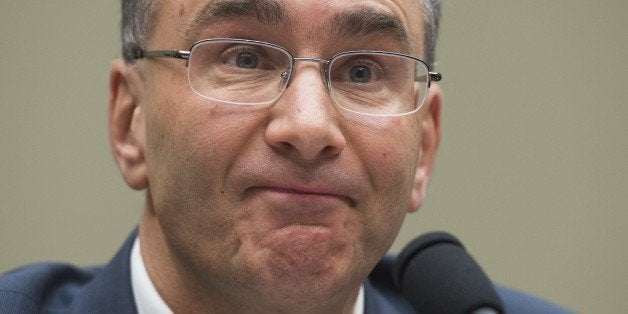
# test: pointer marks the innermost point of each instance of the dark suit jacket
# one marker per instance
(62, 288)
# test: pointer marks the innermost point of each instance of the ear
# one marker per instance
(126, 124)
(430, 138)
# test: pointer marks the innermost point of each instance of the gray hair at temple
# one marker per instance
(138, 23)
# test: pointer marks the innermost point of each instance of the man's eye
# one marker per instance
(247, 60)
(244, 57)
(360, 74)
(356, 70)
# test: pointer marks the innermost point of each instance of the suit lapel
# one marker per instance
(110, 291)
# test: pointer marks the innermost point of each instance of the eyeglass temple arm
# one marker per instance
(178, 54)
(435, 76)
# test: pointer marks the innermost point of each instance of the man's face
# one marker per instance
(298, 199)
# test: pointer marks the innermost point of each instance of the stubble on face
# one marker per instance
(225, 234)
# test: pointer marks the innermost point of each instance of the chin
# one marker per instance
(312, 275)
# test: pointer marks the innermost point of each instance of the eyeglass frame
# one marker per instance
(185, 55)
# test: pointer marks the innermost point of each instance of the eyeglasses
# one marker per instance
(250, 72)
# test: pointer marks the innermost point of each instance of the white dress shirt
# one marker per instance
(147, 299)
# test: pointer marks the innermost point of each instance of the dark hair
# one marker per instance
(138, 23)
(431, 20)
(136, 26)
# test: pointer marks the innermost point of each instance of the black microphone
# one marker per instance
(437, 275)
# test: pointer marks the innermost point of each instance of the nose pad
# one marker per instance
(325, 78)
(285, 76)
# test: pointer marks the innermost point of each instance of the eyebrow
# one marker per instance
(366, 21)
(269, 12)
(358, 21)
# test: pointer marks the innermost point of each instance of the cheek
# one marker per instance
(189, 152)
(191, 146)
(388, 152)
(177, 151)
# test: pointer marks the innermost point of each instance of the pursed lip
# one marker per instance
(296, 208)
(297, 192)
(277, 180)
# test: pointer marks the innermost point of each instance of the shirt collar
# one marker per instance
(148, 300)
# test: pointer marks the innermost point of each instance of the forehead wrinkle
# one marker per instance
(269, 12)
(365, 21)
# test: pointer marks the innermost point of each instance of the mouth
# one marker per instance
(298, 208)
(303, 195)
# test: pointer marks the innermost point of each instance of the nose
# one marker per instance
(304, 123)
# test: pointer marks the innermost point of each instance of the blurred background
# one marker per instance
(532, 172)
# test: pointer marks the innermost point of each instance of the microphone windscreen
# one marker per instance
(437, 275)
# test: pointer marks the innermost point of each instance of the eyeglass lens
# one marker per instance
(249, 73)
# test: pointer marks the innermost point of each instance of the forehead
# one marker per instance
(185, 21)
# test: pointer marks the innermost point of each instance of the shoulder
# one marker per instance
(30, 289)
(381, 292)
(516, 302)
(63, 288)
